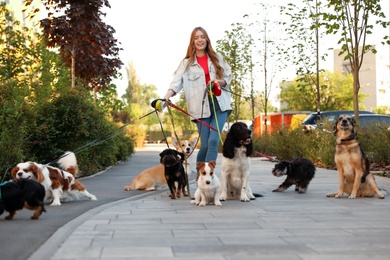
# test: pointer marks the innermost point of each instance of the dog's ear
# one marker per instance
(249, 149)
(162, 154)
(14, 171)
(175, 142)
(335, 125)
(182, 156)
(200, 165)
(353, 122)
(228, 146)
(212, 164)
(37, 172)
(193, 142)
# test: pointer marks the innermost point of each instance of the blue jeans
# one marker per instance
(209, 139)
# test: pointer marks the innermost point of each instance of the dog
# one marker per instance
(352, 164)
(299, 172)
(208, 185)
(60, 183)
(154, 177)
(174, 172)
(235, 164)
(19, 194)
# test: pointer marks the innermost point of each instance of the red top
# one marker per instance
(204, 64)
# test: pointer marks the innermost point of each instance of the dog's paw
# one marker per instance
(352, 197)
(244, 198)
(277, 190)
(202, 204)
(217, 203)
(222, 197)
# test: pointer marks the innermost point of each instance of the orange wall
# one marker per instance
(274, 121)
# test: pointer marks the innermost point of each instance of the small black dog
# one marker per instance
(174, 172)
(16, 194)
(299, 172)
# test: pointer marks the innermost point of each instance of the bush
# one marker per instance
(71, 122)
(319, 145)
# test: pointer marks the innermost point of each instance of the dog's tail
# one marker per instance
(257, 195)
(68, 162)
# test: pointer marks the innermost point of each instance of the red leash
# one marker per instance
(185, 112)
(266, 156)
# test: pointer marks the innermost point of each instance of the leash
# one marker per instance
(185, 157)
(215, 90)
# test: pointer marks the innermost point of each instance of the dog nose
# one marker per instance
(20, 174)
(207, 182)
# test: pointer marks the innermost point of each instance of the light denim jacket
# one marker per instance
(194, 83)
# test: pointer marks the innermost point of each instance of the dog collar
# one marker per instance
(348, 145)
(172, 164)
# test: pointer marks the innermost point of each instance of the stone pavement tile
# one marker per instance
(372, 256)
(151, 241)
(136, 252)
(233, 252)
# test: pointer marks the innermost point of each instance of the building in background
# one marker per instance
(374, 76)
(375, 71)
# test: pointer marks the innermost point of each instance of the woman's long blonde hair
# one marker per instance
(209, 51)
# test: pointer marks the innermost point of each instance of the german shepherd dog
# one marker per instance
(352, 164)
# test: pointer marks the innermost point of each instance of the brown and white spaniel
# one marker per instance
(60, 183)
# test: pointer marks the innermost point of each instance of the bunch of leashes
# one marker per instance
(213, 89)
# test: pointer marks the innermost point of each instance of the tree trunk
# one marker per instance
(72, 70)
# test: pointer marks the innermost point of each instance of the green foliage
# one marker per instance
(382, 110)
(336, 93)
(235, 48)
(70, 122)
(375, 141)
(40, 116)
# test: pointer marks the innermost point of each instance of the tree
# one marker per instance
(266, 54)
(86, 44)
(350, 18)
(139, 97)
(304, 34)
(335, 88)
(235, 48)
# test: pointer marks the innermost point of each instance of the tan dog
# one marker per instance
(208, 185)
(352, 164)
(153, 177)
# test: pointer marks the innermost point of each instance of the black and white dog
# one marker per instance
(174, 172)
(235, 168)
(299, 172)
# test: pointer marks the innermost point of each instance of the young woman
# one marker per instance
(200, 66)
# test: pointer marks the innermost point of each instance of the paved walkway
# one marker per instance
(277, 226)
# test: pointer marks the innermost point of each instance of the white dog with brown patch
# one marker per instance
(208, 185)
(153, 177)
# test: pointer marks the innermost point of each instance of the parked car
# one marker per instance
(310, 122)
(375, 119)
